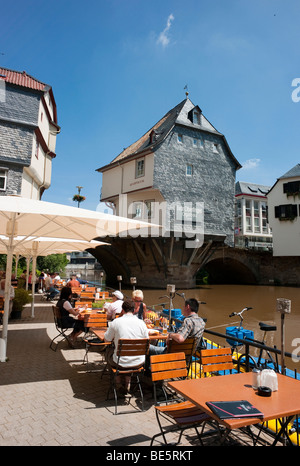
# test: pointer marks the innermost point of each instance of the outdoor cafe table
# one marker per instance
(99, 332)
(283, 404)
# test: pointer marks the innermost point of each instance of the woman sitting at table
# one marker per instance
(65, 307)
(139, 307)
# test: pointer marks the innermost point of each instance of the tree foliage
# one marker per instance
(52, 263)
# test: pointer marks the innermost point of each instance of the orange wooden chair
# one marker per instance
(93, 343)
(129, 347)
(216, 361)
(188, 347)
(183, 414)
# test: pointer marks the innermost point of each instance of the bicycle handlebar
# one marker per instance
(241, 312)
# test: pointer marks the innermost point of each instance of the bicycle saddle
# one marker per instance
(267, 327)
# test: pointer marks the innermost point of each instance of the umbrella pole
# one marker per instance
(3, 340)
(33, 280)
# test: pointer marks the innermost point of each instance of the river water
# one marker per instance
(222, 300)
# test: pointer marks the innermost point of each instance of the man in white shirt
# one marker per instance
(114, 308)
(127, 326)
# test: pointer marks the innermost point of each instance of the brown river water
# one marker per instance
(222, 300)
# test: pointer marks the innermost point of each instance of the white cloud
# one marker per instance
(250, 164)
(163, 37)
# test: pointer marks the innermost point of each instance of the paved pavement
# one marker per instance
(50, 399)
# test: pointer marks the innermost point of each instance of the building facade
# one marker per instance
(180, 174)
(28, 131)
(181, 162)
(252, 229)
(284, 213)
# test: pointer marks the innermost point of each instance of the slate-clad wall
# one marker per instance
(212, 182)
(18, 119)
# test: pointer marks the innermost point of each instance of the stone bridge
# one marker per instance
(156, 262)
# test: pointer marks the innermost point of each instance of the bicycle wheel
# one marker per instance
(242, 361)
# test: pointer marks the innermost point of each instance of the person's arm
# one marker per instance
(109, 334)
(68, 307)
(176, 337)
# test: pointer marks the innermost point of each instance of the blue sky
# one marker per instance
(117, 66)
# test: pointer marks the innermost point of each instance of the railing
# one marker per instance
(250, 344)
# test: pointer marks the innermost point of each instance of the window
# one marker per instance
(137, 209)
(286, 211)
(149, 209)
(216, 148)
(196, 117)
(3, 179)
(189, 170)
(293, 187)
(195, 142)
(140, 168)
(37, 150)
(180, 138)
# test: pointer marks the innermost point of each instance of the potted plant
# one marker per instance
(21, 298)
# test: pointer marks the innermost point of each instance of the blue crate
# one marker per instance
(176, 313)
(238, 332)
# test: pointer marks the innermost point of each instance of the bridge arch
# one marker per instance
(230, 270)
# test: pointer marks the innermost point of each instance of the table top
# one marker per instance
(99, 332)
(282, 403)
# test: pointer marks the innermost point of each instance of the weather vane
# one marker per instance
(187, 92)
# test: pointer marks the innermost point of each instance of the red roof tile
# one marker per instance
(21, 78)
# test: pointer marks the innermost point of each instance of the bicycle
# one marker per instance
(245, 359)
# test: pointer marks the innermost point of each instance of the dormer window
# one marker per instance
(153, 137)
(194, 115)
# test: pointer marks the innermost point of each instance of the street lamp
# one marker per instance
(133, 282)
(119, 278)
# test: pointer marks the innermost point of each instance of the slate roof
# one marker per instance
(251, 189)
(295, 171)
(176, 116)
(22, 79)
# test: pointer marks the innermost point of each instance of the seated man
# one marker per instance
(127, 326)
(192, 326)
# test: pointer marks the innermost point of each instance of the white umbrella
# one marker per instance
(32, 247)
(28, 217)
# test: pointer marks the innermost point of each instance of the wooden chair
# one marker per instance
(94, 343)
(90, 289)
(81, 303)
(216, 361)
(188, 347)
(183, 415)
(76, 290)
(129, 347)
(61, 330)
(87, 296)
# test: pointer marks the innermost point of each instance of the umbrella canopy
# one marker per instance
(28, 217)
(32, 247)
